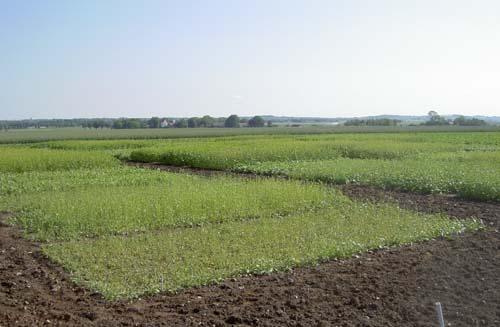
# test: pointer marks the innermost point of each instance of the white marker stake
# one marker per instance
(439, 312)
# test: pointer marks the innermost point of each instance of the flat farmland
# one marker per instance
(77, 133)
(280, 205)
(466, 164)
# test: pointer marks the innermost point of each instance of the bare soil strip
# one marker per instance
(392, 287)
(189, 170)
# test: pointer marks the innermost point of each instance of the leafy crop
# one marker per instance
(68, 180)
(125, 267)
(226, 153)
(182, 200)
(24, 159)
(466, 164)
(464, 176)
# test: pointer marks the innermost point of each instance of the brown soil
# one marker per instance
(188, 170)
(394, 287)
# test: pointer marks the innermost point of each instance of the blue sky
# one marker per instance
(64, 59)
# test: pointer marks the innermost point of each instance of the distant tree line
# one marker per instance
(128, 123)
(97, 123)
(462, 121)
(437, 120)
(54, 123)
(233, 121)
(256, 121)
(131, 123)
(372, 122)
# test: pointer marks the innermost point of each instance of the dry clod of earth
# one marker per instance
(395, 287)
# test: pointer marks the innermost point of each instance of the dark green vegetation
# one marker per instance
(256, 121)
(437, 120)
(232, 121)
(372, 122)
(126, 232)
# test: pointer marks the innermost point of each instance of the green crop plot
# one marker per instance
(68, 180)
(25, 159)
(479, 180)
(226, 153)
(181, 201)
(127, 267)
(466, 164)
(101, 145)
(51, 134)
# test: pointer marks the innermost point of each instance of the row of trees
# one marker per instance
(97, 123)
(208, 121)
(462, 121)
(256, 121)
(372, 122)
(232, 121)
(54, 123)
(193, 122)
(437, 120)
(205, 121)
(128, 123)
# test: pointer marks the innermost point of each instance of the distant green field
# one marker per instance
(40, 135)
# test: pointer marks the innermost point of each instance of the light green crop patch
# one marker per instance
(18, 160)
(67, 180)
(179, 201)
(471, 175)
(127, 267)
(230, 152)
(466, 164)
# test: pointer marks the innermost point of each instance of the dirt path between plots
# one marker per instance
(395, 287)
(189, 170)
